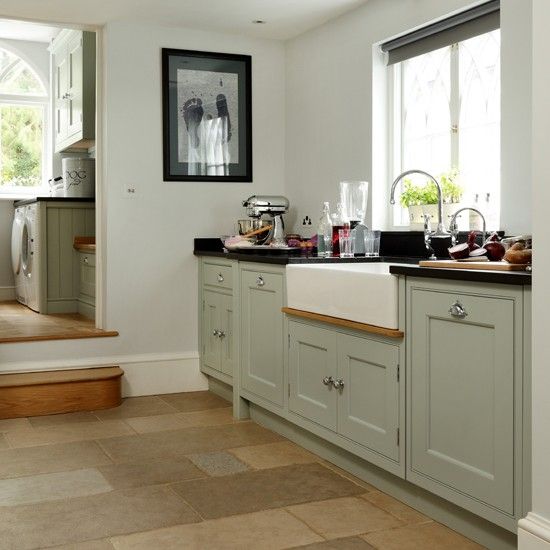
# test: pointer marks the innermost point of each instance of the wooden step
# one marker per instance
(53, 392)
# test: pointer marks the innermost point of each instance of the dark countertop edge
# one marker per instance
(23, 202)
(479, 276)
(495, 277)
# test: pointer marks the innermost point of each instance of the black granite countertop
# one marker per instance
(477, 275)
(23, 202)
(213, 248)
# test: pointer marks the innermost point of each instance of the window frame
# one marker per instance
(20, 191)
(397, 216)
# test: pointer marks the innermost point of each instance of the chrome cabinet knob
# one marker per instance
(457, 310)
(85, 260)
(260, 281)
(338, 384)
(221, 334)
(220, 278)
(215, 332)
(328, 380)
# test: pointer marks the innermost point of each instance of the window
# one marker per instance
(448, 118)
(23, 117)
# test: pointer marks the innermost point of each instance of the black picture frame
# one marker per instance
(207, 116)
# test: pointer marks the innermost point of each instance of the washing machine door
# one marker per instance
(27, 251)
(16, 233)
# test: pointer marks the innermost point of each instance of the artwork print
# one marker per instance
(207, 116)
(208, 108)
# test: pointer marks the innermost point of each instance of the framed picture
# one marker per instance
(207, 116)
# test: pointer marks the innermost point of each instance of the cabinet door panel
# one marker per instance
(211, 318)
(74, 102)
(462, 394)
(312, 356)
(368, 409)
(61, 75)
(262, 334)
(228, 340)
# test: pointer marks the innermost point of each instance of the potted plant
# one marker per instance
(422, 199)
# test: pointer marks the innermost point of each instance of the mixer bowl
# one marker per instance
(251, 224)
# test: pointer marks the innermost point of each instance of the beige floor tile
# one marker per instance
(14, 424)
(68, 432)
(210, 417)
(421, 537)
(56, 486)
(60, 419)
(348, 543)
(3, 442)
(347, 475)
(137, 406)
(258, 490)
(177, 443)
(93, 517)
(272, 455)
(51, 458)
(154, 472)
(103, 544)
(159, 423)
(195, 401)
(218, 463)
(395, 507)
(270, 530)
(344, 517)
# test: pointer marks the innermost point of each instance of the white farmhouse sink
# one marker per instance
(362, 292)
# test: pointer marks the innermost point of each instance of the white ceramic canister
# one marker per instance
(78, 177)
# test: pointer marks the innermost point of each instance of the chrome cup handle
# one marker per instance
(458, 310)
(260, 281)
(328, 380)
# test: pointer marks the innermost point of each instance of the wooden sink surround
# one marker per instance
(64, 391)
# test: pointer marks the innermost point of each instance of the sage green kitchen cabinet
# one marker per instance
(346, 383)
(368, 406)
(217, 319)
(262, 296)
(464, 385)
(312, 367)
(74, 67)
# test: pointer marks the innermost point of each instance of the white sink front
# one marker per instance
(362, 292)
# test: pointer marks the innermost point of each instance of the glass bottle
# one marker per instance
(324, 233)
(338, 223)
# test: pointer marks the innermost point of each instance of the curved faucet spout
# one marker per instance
(440, 231)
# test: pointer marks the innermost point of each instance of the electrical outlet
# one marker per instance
(306, 221)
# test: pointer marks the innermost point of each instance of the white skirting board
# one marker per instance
(534, 533)
(7, 293)
(147, 374)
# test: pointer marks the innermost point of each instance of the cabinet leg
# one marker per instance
(241, 410)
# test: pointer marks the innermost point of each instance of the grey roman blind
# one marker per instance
(458, 27)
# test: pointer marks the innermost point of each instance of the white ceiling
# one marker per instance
(285, 18)
(19, 30)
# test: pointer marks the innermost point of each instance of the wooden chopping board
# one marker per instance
(487, 266)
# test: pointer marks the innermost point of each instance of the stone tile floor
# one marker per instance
(178, 472)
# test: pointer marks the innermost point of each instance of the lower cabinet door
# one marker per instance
(368, 405)
(462, 394)
(227, 338)
(262, 297)
(211, 324)
(312, 366)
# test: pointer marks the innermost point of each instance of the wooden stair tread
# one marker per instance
(59, 377)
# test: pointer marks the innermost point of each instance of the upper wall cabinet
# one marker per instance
(74, 68)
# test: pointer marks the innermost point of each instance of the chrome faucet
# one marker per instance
(453, 226)
(440, 230)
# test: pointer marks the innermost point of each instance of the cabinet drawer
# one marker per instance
(218, 275)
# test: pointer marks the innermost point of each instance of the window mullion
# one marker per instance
(455, 105)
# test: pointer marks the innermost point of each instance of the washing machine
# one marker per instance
(25, 255)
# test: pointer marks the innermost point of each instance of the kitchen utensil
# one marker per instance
(78, 177)
(372, 244)
(258, 231)
(274, 207)
(353, 198)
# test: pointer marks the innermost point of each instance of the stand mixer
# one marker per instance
(272, 207)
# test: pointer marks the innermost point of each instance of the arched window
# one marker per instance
(23, 118)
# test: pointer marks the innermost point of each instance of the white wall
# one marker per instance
(329, 104)
(36, 54)
(151, 278)
(535, 529)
